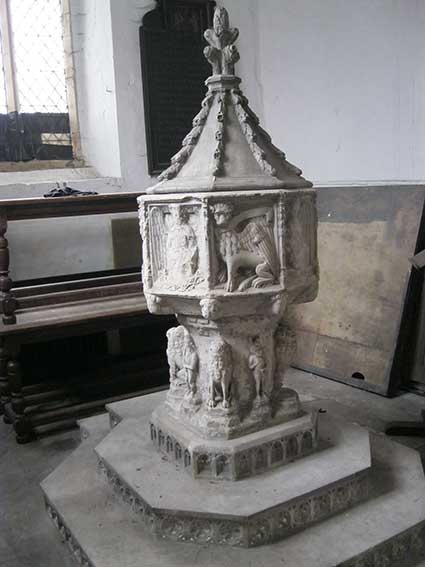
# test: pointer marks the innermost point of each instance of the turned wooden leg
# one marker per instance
(4, 381)
(8, 302)
(21, 424)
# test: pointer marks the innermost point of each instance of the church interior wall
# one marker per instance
(338, 86)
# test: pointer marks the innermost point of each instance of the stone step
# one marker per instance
(94, 426)
(135, 407)
(258, 509)
(385, 530)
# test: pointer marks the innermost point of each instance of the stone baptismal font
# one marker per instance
(229, 241)
(228, 456)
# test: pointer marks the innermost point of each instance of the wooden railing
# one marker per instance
(55, 308)
(42, 208)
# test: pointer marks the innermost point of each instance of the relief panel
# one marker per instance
(173, 247)
(245, 246)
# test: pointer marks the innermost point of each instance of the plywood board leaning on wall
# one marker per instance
(366, 236)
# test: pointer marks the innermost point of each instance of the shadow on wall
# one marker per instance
(366, 237)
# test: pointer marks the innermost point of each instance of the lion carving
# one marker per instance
(246, 247)
(220, 374)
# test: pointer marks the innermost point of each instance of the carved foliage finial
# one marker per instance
(221, 53)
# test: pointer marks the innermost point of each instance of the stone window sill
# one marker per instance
(34, 183)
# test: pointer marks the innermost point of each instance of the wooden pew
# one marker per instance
(67, 307)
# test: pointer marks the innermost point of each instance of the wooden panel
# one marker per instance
(41, 208)
(366, 237)
(75, 318)
(174, 71)
(126, 242)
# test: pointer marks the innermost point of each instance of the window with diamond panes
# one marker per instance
(34, 118)
(3, 107)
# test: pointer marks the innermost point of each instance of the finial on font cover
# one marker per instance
(221, 53)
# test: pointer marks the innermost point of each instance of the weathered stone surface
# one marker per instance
(230, 353)
(248, 512)
(229, 241)
(139, 406)
(226, 148)
(387, 529)
(222, 459)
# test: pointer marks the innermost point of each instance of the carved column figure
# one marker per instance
(175, 338)
(258, 366)
(190, 363)
(220, 370)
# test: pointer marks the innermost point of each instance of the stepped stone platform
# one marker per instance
(248, 512)
(105, 522)
(233, 459)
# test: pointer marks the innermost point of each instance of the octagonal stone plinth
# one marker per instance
(232, 459)
(248, 512)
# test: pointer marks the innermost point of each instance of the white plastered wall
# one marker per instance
(95, 84)
(339, 85)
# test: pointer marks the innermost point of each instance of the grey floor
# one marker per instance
(27, 539)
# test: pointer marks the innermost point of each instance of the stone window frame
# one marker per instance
(11, 90)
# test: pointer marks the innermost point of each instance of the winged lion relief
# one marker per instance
(246, 247)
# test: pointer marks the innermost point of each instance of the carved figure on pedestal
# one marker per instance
(258, 365)
(191, 364)
(246, 247)
(220, 370)
(175, 347)
(174, 247)
(183, 361)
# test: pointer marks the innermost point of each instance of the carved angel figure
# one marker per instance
(220, 372)
(173, 246)
(246, 246)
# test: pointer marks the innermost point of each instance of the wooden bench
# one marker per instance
(67, 307)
